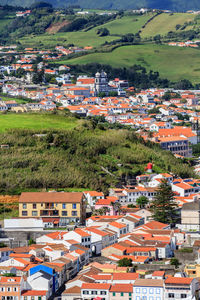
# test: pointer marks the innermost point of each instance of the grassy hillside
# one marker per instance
(127, 24)
(120, 26)
(78, 158)
(173, 63)
(164, 23)
(35, 121)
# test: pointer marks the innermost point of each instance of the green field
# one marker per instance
(173, 63)
(79, 38)
(35, 121)
(127, 24)
(164, 23)
(18, 100)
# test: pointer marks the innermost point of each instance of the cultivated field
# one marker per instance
(173, 63)
(164, 23)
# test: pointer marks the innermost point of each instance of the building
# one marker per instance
(11, 287)
(91, 291)
(148, 289)
(121, 292)
(101, 83)
(62, 206)
(181, 288)
(190, 216)
(177, 145)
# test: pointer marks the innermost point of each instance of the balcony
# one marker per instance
(51, 213)
(49, 206)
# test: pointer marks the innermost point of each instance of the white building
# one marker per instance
(148, 289)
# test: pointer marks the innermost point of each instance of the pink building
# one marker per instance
(107, 203)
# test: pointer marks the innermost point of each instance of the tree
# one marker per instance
(142, 201)
(105, 210)
(116, 207)
(125, 262)
(174, 262)
(163, 207)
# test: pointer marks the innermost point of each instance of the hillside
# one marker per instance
(152, 57)
(90, 156)
(176, 5)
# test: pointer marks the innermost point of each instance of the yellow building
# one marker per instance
(192, 270)
(60, 206)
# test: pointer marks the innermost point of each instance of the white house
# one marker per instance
(94, 290)
(148, 289)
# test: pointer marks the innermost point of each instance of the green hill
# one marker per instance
(174, 63)
(91, 155)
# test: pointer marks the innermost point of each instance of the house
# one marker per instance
(72, 293)
(33, 294)
(119, 228)
(121, 292)
(65, 207)
(79, 235)
(99, 239)
(11, 287)
(108, 204)
(190, 217)
(148, 289)
(92, 290)
(93, 196)
(181, 288)
(44, 278)
(5, 253)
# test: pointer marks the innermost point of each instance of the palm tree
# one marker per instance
(116, 207)
(106, 210)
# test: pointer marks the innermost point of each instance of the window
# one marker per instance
(74, 206)
(130, 294)
(137, 290)
(24, 213)
(64, 213)
(94, 292)
(183, 296)
(114, 294)
(103, 293)
(171, 295)
(150, 291)
(74, 213)
(25, 298)
(8, 289)
(32, 298)
(144, 291)
(122, 294)
(34, 205)
(157, 291)
(64, 206)
(15, 289)
(34, 213)
(24, 205)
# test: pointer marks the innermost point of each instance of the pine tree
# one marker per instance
(163, 207)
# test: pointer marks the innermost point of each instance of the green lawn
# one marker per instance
(35, 121)
(19, 101)
(173, 63)
(164, 23)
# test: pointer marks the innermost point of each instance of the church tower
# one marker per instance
(101, 83)
(196, 129)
